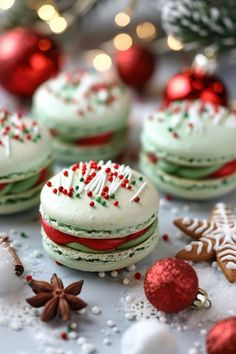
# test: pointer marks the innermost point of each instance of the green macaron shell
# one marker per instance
(202, 189)
(126, 245)
(191, 134)
(185, 171)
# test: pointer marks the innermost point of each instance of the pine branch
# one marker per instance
(201, 23)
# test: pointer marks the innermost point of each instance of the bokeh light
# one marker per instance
(102, 62)
(174, 43)
(146, 31)
(123, 41)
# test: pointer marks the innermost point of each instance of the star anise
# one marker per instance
(55, 298)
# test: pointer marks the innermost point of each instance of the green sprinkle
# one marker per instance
(170, 129)
(98, 199)
(141, 178)
(104, 203)
(112, 196)
(76, 188)
(185, 114)
(82, 179)
(77, 195)
(23, 234)
(133, 182)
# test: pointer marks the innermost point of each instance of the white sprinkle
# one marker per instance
(96, 310)
(101, 274)
(72, 335)
(81, 340)
(203, 332)
(114, 274)
(214, 264)
(110, 323)
(138, 192)
(88, 348)
(73, 325)
(129, 316)
(162, 319)
(128, 299)
(116, 329)
(107, 341)
(125, 281)
(131, 268)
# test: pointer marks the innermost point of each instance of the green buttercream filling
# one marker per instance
(126, 245)
(187, 172)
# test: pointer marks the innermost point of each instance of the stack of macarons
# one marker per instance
(25, 162)
(99, 216)
(189, 149)
(87, 116)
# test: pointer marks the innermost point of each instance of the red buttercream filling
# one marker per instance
(62, 238)
(95, 140)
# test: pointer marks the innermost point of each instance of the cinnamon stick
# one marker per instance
(19, 268)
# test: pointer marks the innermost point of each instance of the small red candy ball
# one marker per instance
(191, 84)
(171, 285)
(135, 66)
(27, 59)
(221, 338)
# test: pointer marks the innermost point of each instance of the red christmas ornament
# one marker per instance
(135, 66)
(171, 285)
(27, 59)
(192, 84)
(221, 338)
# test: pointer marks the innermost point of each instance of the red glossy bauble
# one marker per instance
(191, 84)
(135, 66)
(27, 59)
(171, 285)
(221, 338)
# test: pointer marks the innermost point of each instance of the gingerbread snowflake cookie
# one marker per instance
(213, 239)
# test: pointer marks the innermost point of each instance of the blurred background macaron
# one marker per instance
(25, 162)
(99, 216)
(189, 149)
(86, 115)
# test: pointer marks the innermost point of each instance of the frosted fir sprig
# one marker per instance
(201, 24)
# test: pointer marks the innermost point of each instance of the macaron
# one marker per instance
(189, 149)
(86, 115)
(25, 162)
(99, 216)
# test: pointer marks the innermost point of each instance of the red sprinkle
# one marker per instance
(106, 196)
(108, 170)
(28, 278)
(175, 135)
(89, 194)
(105, 189)
(116, 166)
(137, 199)
(129, 187)
(55, 191)
(110, 179)
(165, 237)
(58, 263)
(121, 176)
(168, 197)
(91, 204)
(138, 276)
(70, 194)
(65, 191)
(116, 203)
(123, 184)
(60, 189)
(49, 184)
(65, 173)
(64, 336)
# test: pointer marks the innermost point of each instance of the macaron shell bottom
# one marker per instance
(72, 153)
(20, 205)
(202, 189)
(99, 262)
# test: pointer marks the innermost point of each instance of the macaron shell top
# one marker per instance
(192, 133)
(82, 100)
(123, 208)
(25, 146)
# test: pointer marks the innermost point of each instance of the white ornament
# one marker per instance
(148, 336)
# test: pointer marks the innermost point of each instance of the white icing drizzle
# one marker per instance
(138, 192)
(7, 144)
(220, 236)
(193, 225)
(201, 228)
(186, 221)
